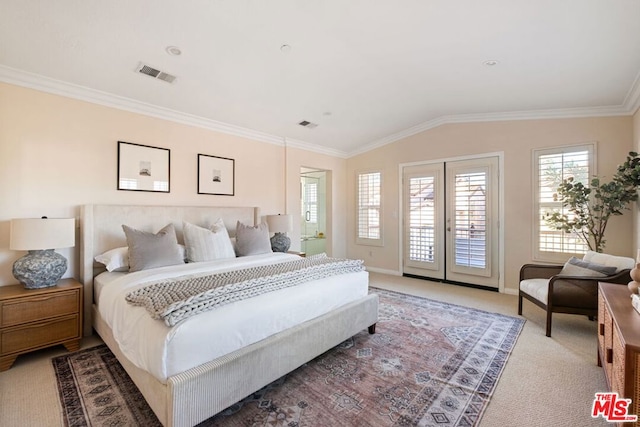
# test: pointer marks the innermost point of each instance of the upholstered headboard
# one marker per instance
(101, 230)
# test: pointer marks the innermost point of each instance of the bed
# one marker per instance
(184, 394)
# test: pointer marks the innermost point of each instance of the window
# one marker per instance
(369, 208)
(551, 167)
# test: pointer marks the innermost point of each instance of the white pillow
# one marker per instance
(115, 259)
(207, 244)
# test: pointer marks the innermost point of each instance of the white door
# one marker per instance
(451, 229)
(424, 220)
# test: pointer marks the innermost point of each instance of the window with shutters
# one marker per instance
(369, 227)
(551, 167)
(310, 200)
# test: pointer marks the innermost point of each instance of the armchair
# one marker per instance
(555, 291)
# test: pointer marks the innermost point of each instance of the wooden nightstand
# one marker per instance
(302, 254)
(31, 319)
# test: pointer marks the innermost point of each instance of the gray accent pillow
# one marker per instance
(252, 240)
(207, 244)
(578, 267)
(148, 250)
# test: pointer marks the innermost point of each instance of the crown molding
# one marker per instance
(632, 100)
(69, 90)
(562, 113)
(82, 93)
(302, 145)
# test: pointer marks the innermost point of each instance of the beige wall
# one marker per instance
(516, 139)
(58, 153)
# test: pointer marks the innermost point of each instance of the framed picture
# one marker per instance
(216, 175)
(143, 168)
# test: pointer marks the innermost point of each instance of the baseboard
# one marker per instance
(383, 271)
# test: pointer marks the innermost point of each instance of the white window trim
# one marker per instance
(369, 241)
(555, 257)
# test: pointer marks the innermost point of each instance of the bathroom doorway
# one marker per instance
(313, 199)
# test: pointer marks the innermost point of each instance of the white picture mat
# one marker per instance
(133, 158)
(216, 175)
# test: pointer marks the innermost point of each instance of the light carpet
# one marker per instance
(429, 364)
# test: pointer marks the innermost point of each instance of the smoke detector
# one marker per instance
(155, 73)
(308, 124)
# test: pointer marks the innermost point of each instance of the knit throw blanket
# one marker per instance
(174, 300)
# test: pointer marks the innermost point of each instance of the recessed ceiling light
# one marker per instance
(285, 48)
(173, 50)
(490, 62)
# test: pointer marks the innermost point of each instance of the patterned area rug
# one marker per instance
(428, 364)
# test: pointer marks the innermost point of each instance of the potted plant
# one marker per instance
(590, 207)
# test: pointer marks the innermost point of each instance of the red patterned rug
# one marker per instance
(428, 364)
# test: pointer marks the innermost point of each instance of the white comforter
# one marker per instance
(163, 351)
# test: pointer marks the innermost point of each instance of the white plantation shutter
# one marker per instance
(421, 219)
(310, 201)
(369, 208)
(550, 169)
(471, 220)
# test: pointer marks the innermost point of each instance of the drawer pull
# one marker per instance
(36, 299)
(40, 325)
(609, 355)
(45, 298)
(602, 329)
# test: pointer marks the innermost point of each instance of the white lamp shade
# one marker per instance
(28, 234)
(280, 223)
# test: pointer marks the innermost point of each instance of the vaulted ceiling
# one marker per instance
(366, 72)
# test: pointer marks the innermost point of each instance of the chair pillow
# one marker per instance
(252, 240)
(148, 250)
(619, 262)
(578, 267)
(207, 244)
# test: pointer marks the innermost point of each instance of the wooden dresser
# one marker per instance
(619, 343)
(31, 319)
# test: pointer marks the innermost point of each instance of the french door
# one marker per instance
(450, 227)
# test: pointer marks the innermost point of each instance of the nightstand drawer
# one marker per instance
(38, 307)
(39, 334)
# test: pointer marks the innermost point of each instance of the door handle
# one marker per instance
(307, 216)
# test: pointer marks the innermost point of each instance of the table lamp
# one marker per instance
(280, 224)
(42, 266)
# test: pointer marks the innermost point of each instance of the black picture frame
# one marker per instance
(216, 175)
(143, 168)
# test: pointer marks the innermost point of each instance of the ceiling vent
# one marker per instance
(156, 74)
(308, 124)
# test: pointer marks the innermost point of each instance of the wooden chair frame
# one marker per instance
(543, 271)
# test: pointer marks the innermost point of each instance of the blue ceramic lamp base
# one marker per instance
(40, 269)
(280, 242)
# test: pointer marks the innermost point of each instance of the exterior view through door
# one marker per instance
(451, 228)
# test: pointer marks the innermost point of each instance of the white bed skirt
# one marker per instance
(199, 393)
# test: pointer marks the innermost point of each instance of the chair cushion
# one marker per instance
(619, 262)
(566, 293)
(537, 288)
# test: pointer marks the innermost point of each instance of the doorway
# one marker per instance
(313, 199)
(451, 229)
